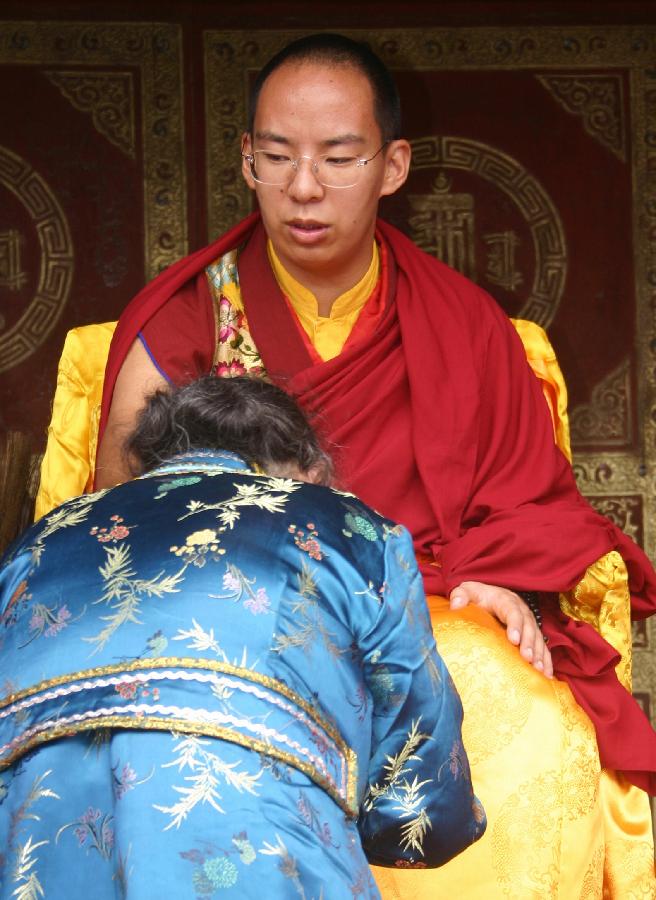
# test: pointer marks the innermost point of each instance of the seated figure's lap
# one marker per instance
(535, 768)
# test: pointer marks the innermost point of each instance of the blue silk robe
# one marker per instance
(216, 681)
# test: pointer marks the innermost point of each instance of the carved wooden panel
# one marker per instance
(92, 188)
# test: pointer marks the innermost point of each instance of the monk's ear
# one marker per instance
(397, 166)
(246, 150)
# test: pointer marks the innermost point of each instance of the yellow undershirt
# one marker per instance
(327, 333)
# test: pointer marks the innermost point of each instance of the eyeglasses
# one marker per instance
(330, 170)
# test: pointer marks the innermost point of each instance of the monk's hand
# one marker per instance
(509, 608)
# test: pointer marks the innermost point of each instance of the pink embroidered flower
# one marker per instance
(227, 320)
(119, 532)
(127, 691)
(230, 583)
(61, 618)
(260, 603)
(229, 370)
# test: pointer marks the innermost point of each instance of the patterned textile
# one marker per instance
(214, 680)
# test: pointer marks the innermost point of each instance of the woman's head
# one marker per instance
(247, 416)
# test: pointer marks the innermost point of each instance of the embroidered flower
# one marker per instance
(125, 782)
(206, 536)
(230, 369)
(61, 618)
(221, 872)
(246, 850)
(260, 603)
(228, 320)
(117, 532)
(309, 542)
(230, 583)
(126, 691)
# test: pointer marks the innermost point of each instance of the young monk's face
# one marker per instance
(306, 110)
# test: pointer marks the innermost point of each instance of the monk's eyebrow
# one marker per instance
(348, 138)
(271, 136)
(338, 140)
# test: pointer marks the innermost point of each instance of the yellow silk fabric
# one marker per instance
(69, 462)
(557, 826)
(542, 359)
(328, 334)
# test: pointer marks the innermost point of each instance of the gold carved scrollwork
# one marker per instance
(109, 97)
(606, 420)
(625, 511)
(56, 265)
(151, 53)
(509, 176)
(598, 100)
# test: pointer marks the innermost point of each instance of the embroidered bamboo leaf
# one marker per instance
(124, 591)
(268, 494)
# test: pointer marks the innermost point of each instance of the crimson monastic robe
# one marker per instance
(440, 424)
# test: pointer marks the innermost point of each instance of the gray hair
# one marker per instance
(247, 416)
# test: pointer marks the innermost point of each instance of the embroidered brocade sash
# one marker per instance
(183, 695)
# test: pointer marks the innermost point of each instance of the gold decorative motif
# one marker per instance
(598, 100)
(443, 225)
(527, 194)
(624, 511)
(56, 264)
(154, 50)
(501, 260)
(109, 97)
(11, 275)
(606, 420)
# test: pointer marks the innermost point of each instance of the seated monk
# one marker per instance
(423, 385)
(217, 682)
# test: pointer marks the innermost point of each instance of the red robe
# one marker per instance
(441, 425)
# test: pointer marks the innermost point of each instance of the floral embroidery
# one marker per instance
(47, 621)
(357, 522)
(200, 546)
(93, 831)
(310, 818)
(239, 586)
(456, 762)
(133, 690)
(235, 351)
(231, 369)
(116, 532)
(214, 870)
(307, 542)
(127, 779)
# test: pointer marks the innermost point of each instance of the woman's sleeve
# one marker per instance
(419, 808)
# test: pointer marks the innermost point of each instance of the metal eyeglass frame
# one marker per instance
(359, 164)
